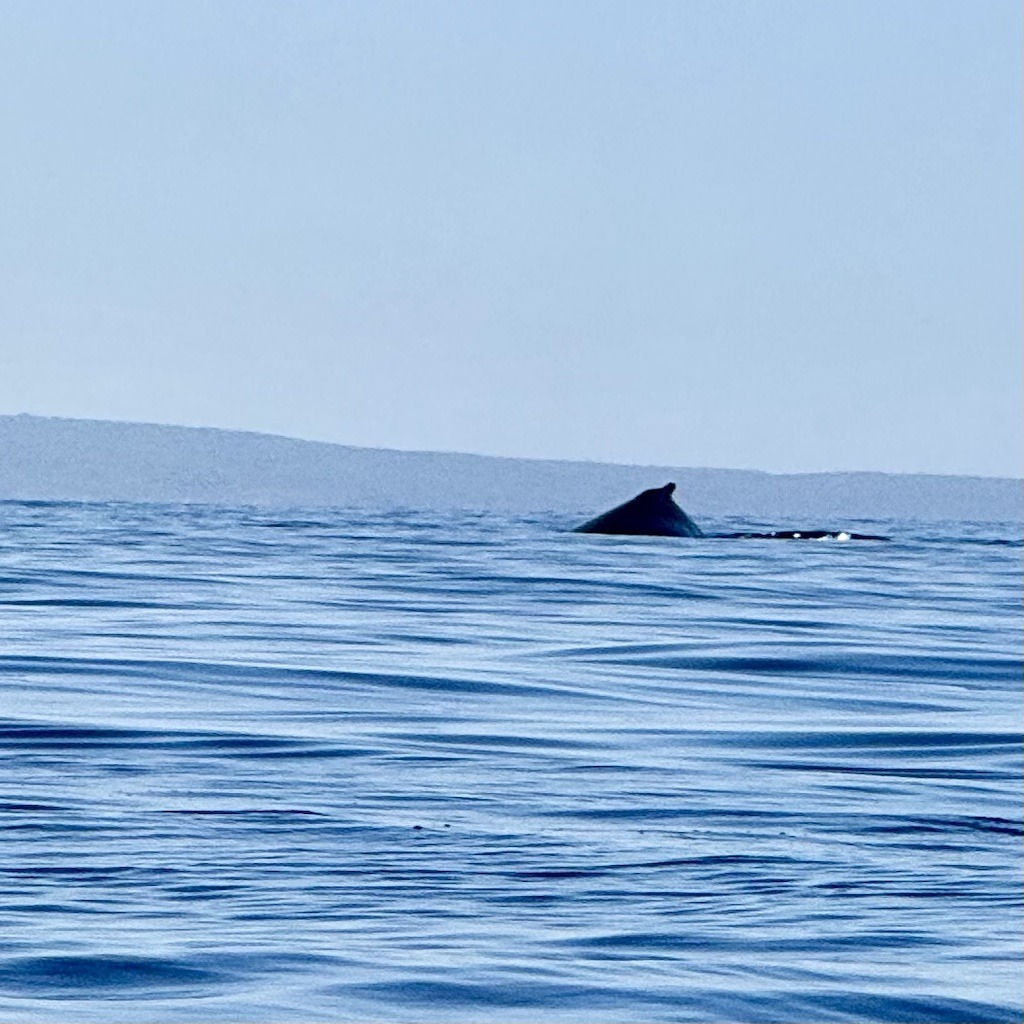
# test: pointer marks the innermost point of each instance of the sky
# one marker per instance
(742, 233)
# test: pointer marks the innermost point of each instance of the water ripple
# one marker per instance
(372, 766)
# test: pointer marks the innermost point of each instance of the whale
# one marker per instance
(654, 513)
(651, 513)
(801, 535)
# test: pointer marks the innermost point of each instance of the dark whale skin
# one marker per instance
(801, 535)
(651, 513)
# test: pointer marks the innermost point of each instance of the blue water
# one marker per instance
(330, 766)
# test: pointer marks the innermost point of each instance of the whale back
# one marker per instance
(651, 513)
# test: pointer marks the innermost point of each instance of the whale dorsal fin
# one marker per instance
(651, 513)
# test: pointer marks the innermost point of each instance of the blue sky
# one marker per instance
(766, 234)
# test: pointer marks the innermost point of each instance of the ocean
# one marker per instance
(330, 765)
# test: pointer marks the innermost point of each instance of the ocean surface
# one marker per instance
(405, 766)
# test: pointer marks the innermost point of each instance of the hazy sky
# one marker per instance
(765, 234)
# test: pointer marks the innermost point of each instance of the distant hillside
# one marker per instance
(95, 460)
